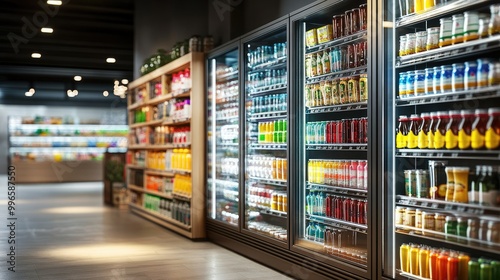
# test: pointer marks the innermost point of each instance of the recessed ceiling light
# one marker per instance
(32, 90)
(105, 93)
(124, 81)
(110, 60)
(36, 55)
(78, 78)
(54, 2)
(75, 92)
(47, 30)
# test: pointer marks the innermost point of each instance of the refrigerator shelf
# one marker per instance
(278, 147)
(227, 183)
(279, 62)
(228, 119)
(337, 190)
(269, 181)
(451, 239)
(337, 108)
(337, 147)
(268, 211)
(265, 90)
(434, 204)
(411, 276)
(267, 116)
(463, 95)
(227, 99)
(227, 76)
(354, 38)
(334, 75)
(338, 223)
(450, 52)
(438, 12)
(449, 154)
(177, 121)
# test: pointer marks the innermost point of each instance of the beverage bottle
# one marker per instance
(269, 132)
(432, 128)
(404, 256)
(328, 132)
(424, 130)
(479, 129)
(402, 132)
(465, 129)
(322, 130)
(414, 251)
(319, 63)
(365, 176)
(492, 135)
(442, 265)
(310, 231)
(474, 270)
(451, 136)
(320, 234)
(485, 272)
(353, 176)
(335, 173)
(308, 204)
(463, 266)
(440, 133)
(354, 137)
(423, 262)
(309, 170)
(433, 264)
(452, 267)
(328, 172)
(413, 131)
(328, 205)
(321, 172)
(284, 131)
(360, 174)
(276, 131)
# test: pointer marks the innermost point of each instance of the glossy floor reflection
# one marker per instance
(63, 231)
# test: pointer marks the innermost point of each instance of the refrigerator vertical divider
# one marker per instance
(291, 143)
(242, 129)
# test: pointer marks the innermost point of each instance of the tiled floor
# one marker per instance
(63, 231)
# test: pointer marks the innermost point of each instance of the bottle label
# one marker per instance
(401, 140)
(422, 140)
(430, 140)
(491, 139)
(451, 140)
(439, 140)
(412, 140)
(477, 139)
(463, 140)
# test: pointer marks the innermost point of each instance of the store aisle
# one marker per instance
(63, 231)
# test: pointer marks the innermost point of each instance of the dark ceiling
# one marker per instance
(86, 32)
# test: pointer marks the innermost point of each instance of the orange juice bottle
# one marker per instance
(442, 265)
(433, 261)
(463, 266)
(269, 132)
(188, 160)
(404, 256)
(284, 170)
(275, 168)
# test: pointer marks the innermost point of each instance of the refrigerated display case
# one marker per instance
(265, 134)
(441, 200)
(223, 149)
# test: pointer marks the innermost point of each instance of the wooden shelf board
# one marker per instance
(169, 122)
(165, 69)
(160, 99)
(154, 122)
(137, 105)
(131, 166)
(164, 221)
(159, 172)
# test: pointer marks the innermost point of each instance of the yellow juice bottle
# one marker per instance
(404, 257)
(423, 262)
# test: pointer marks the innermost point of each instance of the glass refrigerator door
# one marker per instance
(223, 131)
(266, 136)
(333, 198)
(443, 198)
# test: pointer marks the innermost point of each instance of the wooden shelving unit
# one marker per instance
(195, 61)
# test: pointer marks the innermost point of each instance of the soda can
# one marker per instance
(346, 209)
(410, 182)
(347, 131)
(354, 211)
(361, 212)
(354, 131)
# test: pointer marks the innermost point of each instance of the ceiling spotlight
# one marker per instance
(32, 91)
(75, 92)
(36, 55)
(110, 60)
(124, 81)
(117, 83)
(78, 78)
(47, 30)
(105, 93)
(54, 2)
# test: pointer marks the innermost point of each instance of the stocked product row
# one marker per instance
(172, 159)
(177, 210)
(338, 91)
(341, 173)
(267, 167)
(175, 109)
(268, 104)
(266, 54)
(437, 263)
(479, 74)
(330, 61)
(68, 141)
(178, 185)
(55, 156)
(460, 28)
(346, 24)
(465, 129)
(345, 131)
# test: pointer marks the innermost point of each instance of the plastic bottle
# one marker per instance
(413, 131)
(432, 129)
(440, 133)
(424, 130)
(492, 135)
(479, 129)
(402, 132)
(452, 129)
(404, 256)
(360, 174)
(465, 129)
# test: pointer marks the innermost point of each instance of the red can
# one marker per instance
(353, 218)
(328, 205)
(328, 132)
(347, 131)
(363, 125)
(347, 209)
(339, 207)
(333, 131)
(361, 212)
(361, 50)
(351, 56)
(340, 131)
(354, 138)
